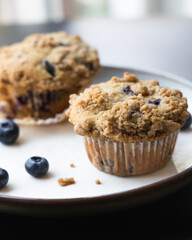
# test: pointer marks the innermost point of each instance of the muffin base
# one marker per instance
(6, 113)
(40, 105)
(133, 158)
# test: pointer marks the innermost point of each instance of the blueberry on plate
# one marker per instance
(37, 166)
(187, 123)
(4, 177)
(9, 132)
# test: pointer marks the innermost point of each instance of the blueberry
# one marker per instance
(89, 65)
(4, 177)
(155, 102)
(9, 132)
(37, 166)
(49, 68)
(101, 161)
(130, 170)
(187, 123)
(128, 91)
(133, 112)
(63, 44)
(22, 99)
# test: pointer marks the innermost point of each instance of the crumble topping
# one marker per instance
(127, 109)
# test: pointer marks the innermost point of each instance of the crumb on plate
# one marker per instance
(65, 182)
(98, 181)
(72, 165)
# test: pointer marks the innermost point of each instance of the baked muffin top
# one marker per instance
(127, 109)
(43, 59)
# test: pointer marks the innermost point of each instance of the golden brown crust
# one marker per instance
(126, 109)
(41, 62)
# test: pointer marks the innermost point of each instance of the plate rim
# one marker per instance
(181, 178)
(154, 71)
(98, 204)
(174, 178)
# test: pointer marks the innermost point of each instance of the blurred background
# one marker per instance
(43, 11)
(140, 33)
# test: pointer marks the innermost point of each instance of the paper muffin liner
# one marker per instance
(60, 117)
(133, 158)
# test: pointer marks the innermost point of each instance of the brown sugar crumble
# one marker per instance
(65, 182)
(98, 181)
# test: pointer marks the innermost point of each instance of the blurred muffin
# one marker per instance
(129, 126)
(38, 74)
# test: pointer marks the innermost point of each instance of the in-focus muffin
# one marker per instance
(38, 74)
(129, 126)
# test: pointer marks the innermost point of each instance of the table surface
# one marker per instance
(157, 43)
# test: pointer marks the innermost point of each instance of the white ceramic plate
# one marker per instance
(62, 147)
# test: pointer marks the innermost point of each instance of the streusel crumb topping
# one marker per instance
(52, 58)
(127, 109)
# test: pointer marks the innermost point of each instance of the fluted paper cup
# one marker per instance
(133, 158)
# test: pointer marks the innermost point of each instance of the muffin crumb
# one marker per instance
(65, 182)
(97, 181)
(72, 165)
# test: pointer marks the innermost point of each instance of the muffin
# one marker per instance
(129, 126)
(38, 74)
